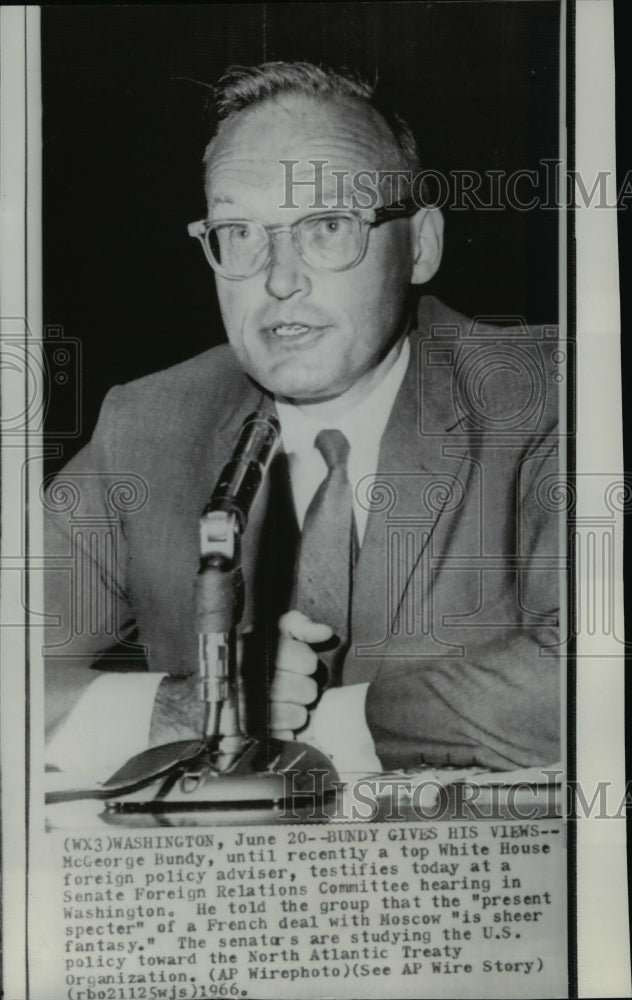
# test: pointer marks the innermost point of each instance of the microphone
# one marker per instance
(241, 477)
(219, 585)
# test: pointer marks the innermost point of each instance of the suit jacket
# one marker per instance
(457, 588)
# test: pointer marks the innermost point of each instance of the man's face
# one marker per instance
(303, 333)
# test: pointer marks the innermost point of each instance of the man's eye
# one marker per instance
(241, 232)
(329, 227)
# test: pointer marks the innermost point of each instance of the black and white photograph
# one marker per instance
(319, 564)
(399, 594)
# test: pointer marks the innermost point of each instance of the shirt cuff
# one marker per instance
(108, 725)
(338, 727)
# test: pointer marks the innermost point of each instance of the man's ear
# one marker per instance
(427, 242)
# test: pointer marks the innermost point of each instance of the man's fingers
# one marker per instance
(293, 688)
(289, 686)
(296, 625)
(286, 716)
(295, 656)
(283, 734)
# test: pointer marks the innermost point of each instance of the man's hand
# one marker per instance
(178, 712)
(294, 688)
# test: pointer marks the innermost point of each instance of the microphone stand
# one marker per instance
(219, 600)
(227, 768)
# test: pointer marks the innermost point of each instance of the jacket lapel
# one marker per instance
(412, 502)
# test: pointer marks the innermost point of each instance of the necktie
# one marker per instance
(327, 549)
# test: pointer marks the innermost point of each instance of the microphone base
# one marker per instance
(269, 781)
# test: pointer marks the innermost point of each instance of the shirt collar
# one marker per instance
(367, 419)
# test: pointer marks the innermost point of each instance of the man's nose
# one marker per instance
(287, 271)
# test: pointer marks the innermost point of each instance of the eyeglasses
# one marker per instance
(327, 241)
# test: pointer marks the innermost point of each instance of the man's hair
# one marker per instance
(243, 87)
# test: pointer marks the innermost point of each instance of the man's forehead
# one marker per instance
(254, 148)
(289, 180)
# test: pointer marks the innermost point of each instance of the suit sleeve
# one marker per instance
(86, 601)
(498, 704)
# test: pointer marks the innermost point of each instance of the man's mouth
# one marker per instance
(290, 329)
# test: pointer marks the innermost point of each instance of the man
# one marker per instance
(447, 631)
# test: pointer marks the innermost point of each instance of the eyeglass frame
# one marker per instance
(385, 213)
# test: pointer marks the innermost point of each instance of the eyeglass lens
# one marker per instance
(331, 242)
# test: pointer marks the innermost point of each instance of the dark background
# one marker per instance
(125, 125)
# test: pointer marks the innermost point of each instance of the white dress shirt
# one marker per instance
(363, 426)
(338, 724)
